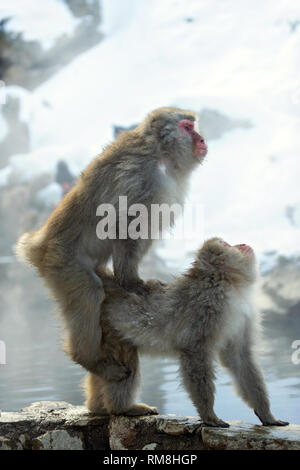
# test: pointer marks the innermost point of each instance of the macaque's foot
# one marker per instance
(96, 409)
(100, 412)
(216, 423)
(271, 421)
(276, 422)
(140, 409)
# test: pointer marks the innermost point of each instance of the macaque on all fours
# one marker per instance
(150, 164)
(204, 315)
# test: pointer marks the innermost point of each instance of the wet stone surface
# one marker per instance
(61, 426)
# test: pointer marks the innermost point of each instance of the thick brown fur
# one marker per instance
(204, 315)
(67, 251)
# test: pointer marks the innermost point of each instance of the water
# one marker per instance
(37, 369)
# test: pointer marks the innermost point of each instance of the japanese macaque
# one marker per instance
(205, 314)
(150, 164)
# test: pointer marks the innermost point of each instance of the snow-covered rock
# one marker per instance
(39, 21)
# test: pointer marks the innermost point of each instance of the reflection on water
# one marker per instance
(37, 369)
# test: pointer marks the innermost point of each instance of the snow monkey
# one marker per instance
(205, 314)
(150, 164)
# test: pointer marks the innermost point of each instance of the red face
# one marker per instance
(200, 147)
(242, 247)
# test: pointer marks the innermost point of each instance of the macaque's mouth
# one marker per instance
(246, 249)
(200, 146)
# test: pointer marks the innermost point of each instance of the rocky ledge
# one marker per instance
(59, 425)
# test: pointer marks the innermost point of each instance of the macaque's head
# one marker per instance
(236, 263)
(177, 133)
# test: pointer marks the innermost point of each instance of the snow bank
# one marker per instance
(43, 21)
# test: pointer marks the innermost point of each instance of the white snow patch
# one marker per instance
(42, 21)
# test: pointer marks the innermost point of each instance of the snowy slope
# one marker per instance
(42, 21)
(241, 58)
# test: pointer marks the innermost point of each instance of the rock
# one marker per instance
(26, 62)
(280, 286)
(58, 440)
(161, 432)
(242, 436)
(53, 425)
(61, 426)
(82, 8)
(171, 432)
(17, 138)
(8, 444)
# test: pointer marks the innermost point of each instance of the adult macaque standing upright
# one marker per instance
(150, 164)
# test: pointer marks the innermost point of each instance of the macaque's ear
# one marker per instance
(212, 246)
(209, 254)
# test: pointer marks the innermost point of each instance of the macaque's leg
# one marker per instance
(126, 257)
(115, 392)
(79, 293)
(238, 357)
(93, 386)
(198, 378)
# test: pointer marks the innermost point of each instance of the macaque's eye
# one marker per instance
(186, 125)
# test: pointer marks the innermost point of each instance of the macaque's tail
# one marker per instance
(30, 248)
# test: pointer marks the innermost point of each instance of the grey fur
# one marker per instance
(205, 314)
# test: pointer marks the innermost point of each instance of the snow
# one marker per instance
(240, 58)
(42, 21)
(26, 99)
(4, 175)
(117, 15)
(50, 195)
(3, 127)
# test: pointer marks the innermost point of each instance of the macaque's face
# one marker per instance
(243, 248)
(189, 133)
(237, 261)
